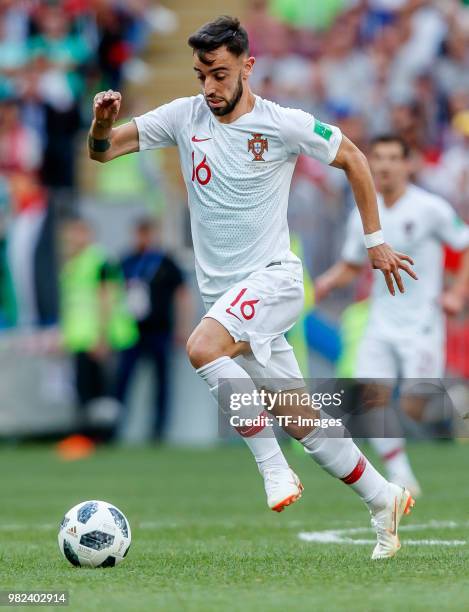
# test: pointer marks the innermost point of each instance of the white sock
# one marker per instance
(393, 454)
(260, 440)
(343, 459)
(277, 461)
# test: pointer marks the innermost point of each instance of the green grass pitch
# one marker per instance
(203, 538)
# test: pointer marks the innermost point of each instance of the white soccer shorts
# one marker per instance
(409, 358)
(260, 310)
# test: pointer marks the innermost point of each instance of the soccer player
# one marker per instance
(403, 339)
(238, 152)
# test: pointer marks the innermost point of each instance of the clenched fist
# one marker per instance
(106, 106)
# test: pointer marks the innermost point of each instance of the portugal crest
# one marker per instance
(257, 145)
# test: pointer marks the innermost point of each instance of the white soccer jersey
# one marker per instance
(238, 180)
(418, 224)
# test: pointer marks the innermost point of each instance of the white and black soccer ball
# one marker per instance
(94, 534)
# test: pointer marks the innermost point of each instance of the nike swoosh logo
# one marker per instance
(393, 531)
(195, 139)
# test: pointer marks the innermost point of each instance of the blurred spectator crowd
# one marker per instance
(54, 56)
(369, 66)
(372, 67)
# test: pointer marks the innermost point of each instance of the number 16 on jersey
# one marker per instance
(201, 172)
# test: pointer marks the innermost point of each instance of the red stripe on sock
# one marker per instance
(248, 432)
(356, 473)
(392, 454)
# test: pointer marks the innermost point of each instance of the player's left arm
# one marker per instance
(451, 230)
(382, 257)
(454, 299)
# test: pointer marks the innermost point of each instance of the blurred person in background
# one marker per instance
(450, 177)
(13, 49)
(408, 122)
(20, 160)
(58, 57)
(26, 228)
(345, 68)
(403, 340)
(114, 50)
(7, 296)
(262, 26)
(290, 74)
(48, 51)
(54, 40)
(452, 67)
(20, 146)
(94, 318)
(31, 244)
(159, 299)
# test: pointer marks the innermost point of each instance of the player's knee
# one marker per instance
(201, 350)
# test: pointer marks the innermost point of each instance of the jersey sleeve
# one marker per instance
(303, 133)
(158, 128)
(449, 227)
(354, 249)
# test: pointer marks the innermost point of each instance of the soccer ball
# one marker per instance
(94, 534)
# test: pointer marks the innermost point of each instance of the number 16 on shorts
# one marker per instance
(242, 307)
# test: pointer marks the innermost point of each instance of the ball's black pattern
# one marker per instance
(127, 550)
(108, 562)
(86, 511)
(120, 521)
(70, 554)
(97, 540)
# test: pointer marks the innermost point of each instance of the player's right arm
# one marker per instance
(156, 129)
(106, 142)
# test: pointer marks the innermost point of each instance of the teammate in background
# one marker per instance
(238, 152)
(407, 339)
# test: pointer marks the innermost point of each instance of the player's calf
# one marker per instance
(296, 418)
(386, 501)
(227, 380)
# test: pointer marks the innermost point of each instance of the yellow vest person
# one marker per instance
(80, 308)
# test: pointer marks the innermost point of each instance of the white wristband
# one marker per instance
(374, 239)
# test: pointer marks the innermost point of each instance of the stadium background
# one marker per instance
(202, 536)
(370, 67)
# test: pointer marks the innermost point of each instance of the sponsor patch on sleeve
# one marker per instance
(323, 130)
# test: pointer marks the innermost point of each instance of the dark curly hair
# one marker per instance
(224, 31)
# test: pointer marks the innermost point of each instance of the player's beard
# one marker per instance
(230, 104)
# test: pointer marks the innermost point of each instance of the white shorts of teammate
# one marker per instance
(409, 358)
(260, 310)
